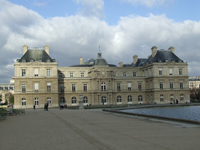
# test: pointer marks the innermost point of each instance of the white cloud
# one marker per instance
(77, 36)
(148, 3)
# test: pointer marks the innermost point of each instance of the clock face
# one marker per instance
(103, 72)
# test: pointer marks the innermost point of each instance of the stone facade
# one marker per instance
(160, 78)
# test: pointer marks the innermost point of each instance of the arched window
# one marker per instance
(161, 97)
(103, 99)
(62, 100)
(171, 97)
(182, 97)
(36, 101)
(103, 86)
(23, 101)
(85, 99)
(119, 99)
(73, 100)
(49, 100)
(129, 98)
(140, 98)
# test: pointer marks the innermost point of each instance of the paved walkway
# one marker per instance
(93, 130)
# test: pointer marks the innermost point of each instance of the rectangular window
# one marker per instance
(114, 74)
(171, 84)
(36, 87)
(161, 85)
(134, 74)
(170, 71)
(48, 72)
(62, 87)
(181, 84)
(23, 87)
(124, 74)
(84, 87)
(118, 87)
(160, 72)
(71, 74)
(147, 85)
(36, 73)
(73, 87)
(48, 87)
(180, 72)
(139, 86)
(82, 74)
(23, 72)
(129, 86)
(60, 75)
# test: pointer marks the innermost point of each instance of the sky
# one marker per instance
(76, 28)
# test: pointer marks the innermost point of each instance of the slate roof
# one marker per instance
(36, 55)
(161, 56)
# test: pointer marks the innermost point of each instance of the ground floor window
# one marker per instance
(161, 97)
(182, 97)
(49, 100)
(23, 101)
(73, 100)
(36, 101)
(140, 98)
(172, 97)
(119, 99)
(129, 98)
(85, 99)
(62, 100)
(103, 99)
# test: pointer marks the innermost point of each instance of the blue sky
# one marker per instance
(76, 28)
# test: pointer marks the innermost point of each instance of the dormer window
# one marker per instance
(32, 60)
(48, 60)
(23, 60)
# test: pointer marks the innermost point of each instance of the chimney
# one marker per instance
(46, 48)
(154, 51)
(81, 60)
(121, 64)
(25, 48)
(171, 49)
(135, 59)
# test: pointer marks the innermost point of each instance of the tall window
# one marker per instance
(124, 74)
(161, 85)
(36, 73)
(84, 87)
(103, 99)
(23, 72)
(23, 101)
(62, 100)
(161, 97)
(23, 87)
(118, 87)
(73, 100)
(147, 85)
(48, 72)
(60, 75)
(140, 98)
(134, 74)
(82, 74)
(85, 99)
(160, 71)
(139, 86)
(171, 97)
(36, 101)
(36, 87)
(182, 97)
(62, 88)
(114, 74)
(171, 85)
(170, 71)
(181, 84)
(180, 71)
(119, 99)
(103, 86)
(49, 100)
(71, 74)
(129, 86)
(48, 87)
(73, 87)
(129, 98)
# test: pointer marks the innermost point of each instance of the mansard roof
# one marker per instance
(36, 54)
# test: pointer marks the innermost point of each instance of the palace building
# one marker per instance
(160, 78)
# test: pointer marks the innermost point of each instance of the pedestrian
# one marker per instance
(47, 106)
(34, 107)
